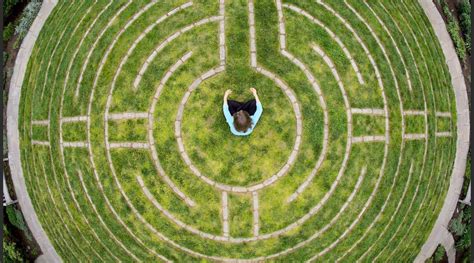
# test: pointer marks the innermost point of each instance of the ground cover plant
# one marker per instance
(465, 22)
(455, 30)
(18, 242)
(10, 252)
(27, 17)
(127, 156)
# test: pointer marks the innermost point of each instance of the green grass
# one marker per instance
(107, 215)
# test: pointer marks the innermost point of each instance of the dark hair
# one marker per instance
(242, 121)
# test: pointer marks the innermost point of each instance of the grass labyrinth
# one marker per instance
(127, 156)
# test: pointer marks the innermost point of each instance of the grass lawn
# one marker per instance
(109, 179)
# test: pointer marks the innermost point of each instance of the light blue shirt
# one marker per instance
(230, 120)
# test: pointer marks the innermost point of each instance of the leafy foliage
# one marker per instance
(461, 228)
(16, 218)
(10, 251)
(27, 18)
(8, 6)
(465, 22)
(456, 226)
(465, 240)
(439, 254)
(454, 32)
(8, 32)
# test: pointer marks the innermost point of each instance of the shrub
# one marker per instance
(465, 7)
(8, 6)
(27, 18)
(465, 22)
(10, 252)
(8, 32)
(465, 241)
(16, 218)
(456, 226)
(454, 32)
(439, 254)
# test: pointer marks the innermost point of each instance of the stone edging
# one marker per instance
(49, 253)
(463, 126)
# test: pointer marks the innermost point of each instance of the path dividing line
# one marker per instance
(256, 219)
(443, 114)
(74, 119)
(225, 214)
(368, 111)
(40, 122)
(127, 116)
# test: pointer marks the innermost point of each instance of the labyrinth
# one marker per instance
(127, 156)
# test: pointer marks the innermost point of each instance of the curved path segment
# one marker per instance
(118, 152)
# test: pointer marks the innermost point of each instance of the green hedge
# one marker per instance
(10, 251)
(16, 218)
(454, 32)
(8, 32)
(465, 22)
(27, 18)
(8, 6)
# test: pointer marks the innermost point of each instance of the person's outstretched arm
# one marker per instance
(225, 107)
(258, 112)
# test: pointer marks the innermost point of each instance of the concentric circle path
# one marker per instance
(119, 143)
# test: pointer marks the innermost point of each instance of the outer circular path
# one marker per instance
(119, 150)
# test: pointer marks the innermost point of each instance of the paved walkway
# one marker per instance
(49, 254)
(438, 234)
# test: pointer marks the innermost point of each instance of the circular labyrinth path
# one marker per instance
(127, 156)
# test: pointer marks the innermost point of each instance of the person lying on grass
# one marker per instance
(242, 117)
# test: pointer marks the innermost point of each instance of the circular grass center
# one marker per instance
(237, 160)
